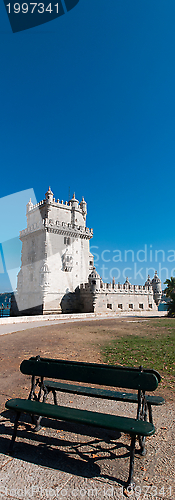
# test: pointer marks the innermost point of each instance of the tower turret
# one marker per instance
(83, 206)
(127, 283)
(49, 196)
(148, 281)
(73, 202)
(29, 206)
(74, 206)
(94, 280)
(157, 290)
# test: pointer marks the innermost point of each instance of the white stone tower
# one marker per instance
(55, 254)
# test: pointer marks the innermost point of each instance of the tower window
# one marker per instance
(141, 306)
(150, 306)
(130, 306)
(109, 306)
(66, 241)
(120, 306)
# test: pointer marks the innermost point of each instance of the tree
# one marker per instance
(170, 292)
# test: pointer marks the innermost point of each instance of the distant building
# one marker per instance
(57, 269)
(96, 296)
(5, 303)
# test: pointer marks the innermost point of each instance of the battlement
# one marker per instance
(34, 227)
(67, 227)
(58, 216)
(57, 226)
(72, 204)
(58, 203)
(118, 288)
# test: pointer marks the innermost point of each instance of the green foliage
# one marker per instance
(170, 292)
(152, 351)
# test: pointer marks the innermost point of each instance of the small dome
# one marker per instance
(49, 191)
(83, 202)
(74, 199)
(148, 281)
(156, 279)
(94, 274)
(49, 195)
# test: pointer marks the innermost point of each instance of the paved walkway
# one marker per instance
(12, 324)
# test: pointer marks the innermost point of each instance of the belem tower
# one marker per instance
(57, 272)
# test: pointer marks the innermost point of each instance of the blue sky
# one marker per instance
(88, 104)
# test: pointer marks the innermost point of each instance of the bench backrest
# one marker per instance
(117, 367)
(90, 373)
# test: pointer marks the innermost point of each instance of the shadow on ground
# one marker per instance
(78, 453)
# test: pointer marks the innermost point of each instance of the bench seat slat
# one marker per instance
(101, 393)
(122, 424)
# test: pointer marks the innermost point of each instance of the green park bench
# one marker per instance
(103, 375)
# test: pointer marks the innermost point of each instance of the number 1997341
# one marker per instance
(31, 8)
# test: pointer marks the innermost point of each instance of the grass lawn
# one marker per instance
(153, 346)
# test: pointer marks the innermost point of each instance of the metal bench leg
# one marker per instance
(14, 432)
(143, 416)
(130, 483)
(55, 397)
(146, 412)
(38, 420)
(142, 440)
(38, 426)
(150, 413)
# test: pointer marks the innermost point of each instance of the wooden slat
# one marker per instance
(101, 393)
(91, 373)
(122, 424)
(117, 367)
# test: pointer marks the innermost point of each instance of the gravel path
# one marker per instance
(79, 461)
